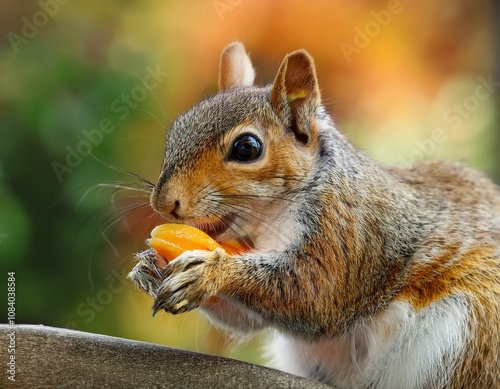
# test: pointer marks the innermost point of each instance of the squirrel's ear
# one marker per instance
(295, 93)
(235, 67)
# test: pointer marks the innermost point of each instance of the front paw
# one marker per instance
(189, 281)
(146, 274)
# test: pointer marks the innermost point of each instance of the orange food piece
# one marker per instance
(171, 240)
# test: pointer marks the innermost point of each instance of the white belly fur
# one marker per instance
(399, 348)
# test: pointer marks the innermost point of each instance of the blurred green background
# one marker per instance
(405, 80)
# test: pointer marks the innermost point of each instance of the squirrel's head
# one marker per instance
(237, 160)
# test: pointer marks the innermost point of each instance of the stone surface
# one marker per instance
(48, 357)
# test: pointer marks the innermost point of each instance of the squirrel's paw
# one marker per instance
(146, 275)
(189, 281)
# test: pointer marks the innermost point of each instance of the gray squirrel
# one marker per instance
(367, 276)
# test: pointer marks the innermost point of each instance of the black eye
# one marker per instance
(246, 148)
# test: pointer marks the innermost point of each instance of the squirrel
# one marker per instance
(367, 276)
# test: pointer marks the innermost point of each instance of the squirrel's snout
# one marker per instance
(167, 207)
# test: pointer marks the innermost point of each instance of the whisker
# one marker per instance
(163, 126)
(129, 185)
(151, 215)
(256, 196)
(127, 200)
(124, 210)
(214, 208)
(157, 99)
(110, 244)
(109, 222)
(246, 215)
(226, 186)
(117, 202)
(242, 238)
(117, 187)
(121, 214)
(124, 171)
(219, 204)
(72, 191)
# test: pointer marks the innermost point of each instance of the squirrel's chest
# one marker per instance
(400, 348)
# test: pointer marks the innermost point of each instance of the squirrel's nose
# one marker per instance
(168, 207)
(171, 207)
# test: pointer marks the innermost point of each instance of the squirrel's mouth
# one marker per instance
(214, 227)
(221, 229)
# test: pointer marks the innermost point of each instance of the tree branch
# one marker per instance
(48, 357)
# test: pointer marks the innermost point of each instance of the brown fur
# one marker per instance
(350, 237)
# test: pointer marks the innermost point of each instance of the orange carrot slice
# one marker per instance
(171, 240)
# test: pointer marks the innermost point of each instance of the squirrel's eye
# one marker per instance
(246, 148)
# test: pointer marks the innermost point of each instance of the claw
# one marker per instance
(180, 307)
(183, 282)
(157, 307)
(181, 304)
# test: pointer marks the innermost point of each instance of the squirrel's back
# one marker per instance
(452, 181)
